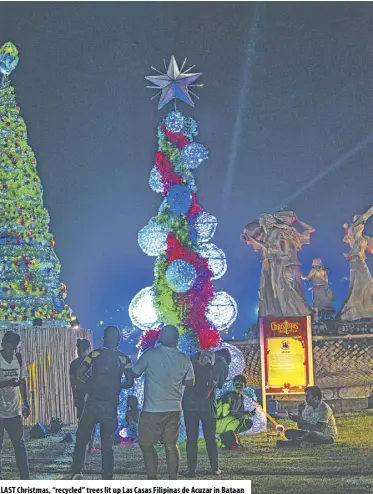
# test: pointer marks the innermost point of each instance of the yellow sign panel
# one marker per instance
(285, 359)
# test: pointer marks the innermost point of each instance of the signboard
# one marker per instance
(286, 355)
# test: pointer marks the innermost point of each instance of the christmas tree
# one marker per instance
(29, 269)
(179, 236)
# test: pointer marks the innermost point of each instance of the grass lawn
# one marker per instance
(345, 467)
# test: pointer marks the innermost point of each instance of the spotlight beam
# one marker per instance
(242, 100)
(326, 171)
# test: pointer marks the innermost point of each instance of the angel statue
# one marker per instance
(359, 301)
(281, 291)
(321, 293)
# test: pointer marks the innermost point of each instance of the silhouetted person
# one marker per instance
(199, 405)
(106, 367)
(79, 388)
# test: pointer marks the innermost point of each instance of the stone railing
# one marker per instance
(343, 365)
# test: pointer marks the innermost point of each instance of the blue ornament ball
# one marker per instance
(179, 198)
(188, 343)
(181, 276)
(174, 122)
(193, 154)
(58, 303)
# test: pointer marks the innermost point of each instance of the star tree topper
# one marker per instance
(174, 83)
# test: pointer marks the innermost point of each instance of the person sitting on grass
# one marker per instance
(315, 421)
(232, 418)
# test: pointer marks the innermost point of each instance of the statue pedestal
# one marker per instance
(48, 351)
(341, 356)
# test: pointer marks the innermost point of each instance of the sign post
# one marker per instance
(286, 355)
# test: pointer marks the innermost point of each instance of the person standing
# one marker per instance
(106, 367)
(166, 370)
(79, 390)
(199, 405)
(13, 384)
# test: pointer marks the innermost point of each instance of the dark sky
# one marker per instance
(309, 100)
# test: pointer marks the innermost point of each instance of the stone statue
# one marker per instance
(359, 301)
(322, 295)
(281, 290)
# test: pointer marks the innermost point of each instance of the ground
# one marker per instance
(345, 467)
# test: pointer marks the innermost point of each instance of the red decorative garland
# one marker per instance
(195, 208)
(197, 299)
(168, 176)
(178, 140)
(149, 339)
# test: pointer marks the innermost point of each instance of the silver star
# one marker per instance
(174, 84)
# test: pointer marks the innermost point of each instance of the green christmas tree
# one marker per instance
(183, 293)
(30, 287)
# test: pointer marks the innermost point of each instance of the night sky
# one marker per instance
(287, 103)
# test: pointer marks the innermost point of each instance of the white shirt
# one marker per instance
(10, 399)
(165, 370)
(323, 414)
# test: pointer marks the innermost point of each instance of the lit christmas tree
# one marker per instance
(29, 269)
(179, 236)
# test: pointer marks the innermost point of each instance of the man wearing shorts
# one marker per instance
(166, 371)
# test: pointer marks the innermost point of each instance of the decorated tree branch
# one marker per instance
(30, 287)
(187, 263)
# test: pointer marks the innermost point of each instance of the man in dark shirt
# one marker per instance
(106, 366)
(79, 390)
(199, 405)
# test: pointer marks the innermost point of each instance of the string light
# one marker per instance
(222, 311)
(143, 310)
(216, 259)
(30, 288)
(205, 226)
(193, 154)
(174, 122)
(152, 239)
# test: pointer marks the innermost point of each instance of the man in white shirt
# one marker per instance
(166, 371)
(315, 420)
(12, 388)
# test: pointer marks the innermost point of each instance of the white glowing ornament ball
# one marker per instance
(193, 154)
(221, 311)
(152, 239)
(238, 364)
(215, 259)
(205, 226)
(143, 310)
(155, 181)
